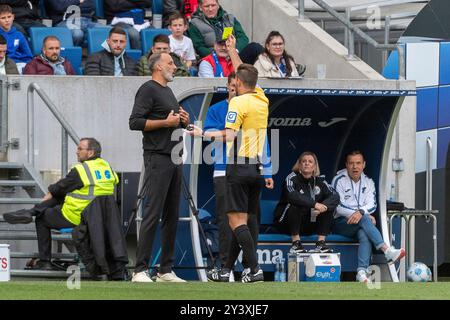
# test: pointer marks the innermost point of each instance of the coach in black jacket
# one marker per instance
(113, 60)
(307, 204)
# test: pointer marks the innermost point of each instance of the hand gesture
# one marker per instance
(48, 196)
(173, 119)
(231, 43)
(269, 183)
(184, 116)
(195, 132)
(354, 218)
(320, 207)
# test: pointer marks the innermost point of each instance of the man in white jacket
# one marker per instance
(353, 216)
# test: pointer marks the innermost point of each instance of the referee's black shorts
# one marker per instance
(244, 184)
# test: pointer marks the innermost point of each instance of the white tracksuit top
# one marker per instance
(354, 196)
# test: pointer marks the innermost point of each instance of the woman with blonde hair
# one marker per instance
(307, 204)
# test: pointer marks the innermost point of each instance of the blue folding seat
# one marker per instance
(147, 36)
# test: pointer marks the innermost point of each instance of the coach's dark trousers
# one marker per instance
(163, 200)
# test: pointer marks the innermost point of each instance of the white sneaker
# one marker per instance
(361, 276)
(392, 255)
(142, 276)
(168, 277)
(245, 272)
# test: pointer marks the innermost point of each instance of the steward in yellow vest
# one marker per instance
(67, 198)
(98, 180)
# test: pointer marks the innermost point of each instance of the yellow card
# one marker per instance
(227, 31)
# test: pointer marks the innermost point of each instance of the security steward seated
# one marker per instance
(62, 207)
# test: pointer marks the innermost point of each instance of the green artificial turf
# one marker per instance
(221, 291)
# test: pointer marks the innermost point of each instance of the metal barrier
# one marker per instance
(4, 143)
(352, 29)
(67, 130)
(409, 217)
(387, 30)
(429, 175)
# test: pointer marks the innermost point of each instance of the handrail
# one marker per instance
(354, 29)
(362, 18)
(4, 115)
(384, 4)
(368, 5)
(67, 130)
(429, 176)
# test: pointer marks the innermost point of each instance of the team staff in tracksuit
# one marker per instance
(354, 217)
(307, 204)
(157, 114)
(63, 205)
(215, 121)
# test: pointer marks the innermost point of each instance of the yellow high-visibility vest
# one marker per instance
(98, 180)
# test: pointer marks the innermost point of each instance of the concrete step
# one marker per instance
(18, 235)
(29, 255)
(2, 221)
(44, 274)
(11, 165)
(17, 183)
(20, 200)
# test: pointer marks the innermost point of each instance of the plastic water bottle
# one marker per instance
(282, 271)
(277, 275)
(392, 193)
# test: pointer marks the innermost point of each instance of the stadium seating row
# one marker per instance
(157, 8)
(95, 38)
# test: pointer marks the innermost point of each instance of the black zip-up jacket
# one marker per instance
(23, 9)
(296, 191)
(102, 64)
(99, 238)
(112, 7)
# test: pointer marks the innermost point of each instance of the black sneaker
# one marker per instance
(321, 247)
(250, 277)
(297, 247)
(218, 275)
(23, 216)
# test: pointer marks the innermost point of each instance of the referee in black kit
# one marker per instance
(246, 126)
(157, 114)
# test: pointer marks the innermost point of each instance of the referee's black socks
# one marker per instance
(245, 240)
